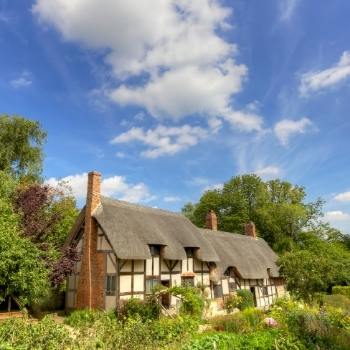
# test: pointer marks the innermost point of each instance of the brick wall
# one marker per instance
(90, 292)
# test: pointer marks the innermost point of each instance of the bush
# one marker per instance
(86, 318)
(23, 334)
(192, 303)
(249, 320)
(262, 340)
(342, 290)
(337, 301)
(148, 309)
(232, 302)
(247, 299)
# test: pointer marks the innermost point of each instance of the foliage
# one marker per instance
(22, 274)
(25, 335)
(249, 320)
(261, 340)
(86, 317)
(247, 299)
(315, 266)
(144, 309)
(46, 216)
(277, 207)
(192, 302)
(63, 267)
(21, 142)
(317, 328)
(233, 301)
(93, 330)
(337, 301)
(343, 290)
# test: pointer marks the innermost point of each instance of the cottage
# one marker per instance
(127, 249)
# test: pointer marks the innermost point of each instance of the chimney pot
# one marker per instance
(212, 221)
(249, 229)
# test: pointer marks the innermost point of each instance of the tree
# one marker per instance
(21, 142)
(46, 216)
(22, 273)
(315, 266)
(277, 207)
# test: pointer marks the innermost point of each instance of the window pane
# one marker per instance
(187, 281)
(218, 291)
(110, 285)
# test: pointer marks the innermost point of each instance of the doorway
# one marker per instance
(165, 300)
(252, 289)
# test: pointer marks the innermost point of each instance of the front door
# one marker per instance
(252, 289)
(166, 297)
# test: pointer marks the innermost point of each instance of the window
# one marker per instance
(110, 284)
(187, 281)
(232, 286)
(265, 291)
(217, 291)
(189, 252)
(150, 284)
(154, 250)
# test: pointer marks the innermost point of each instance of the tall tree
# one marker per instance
(277, 207)
(21, 142)
(23, 274)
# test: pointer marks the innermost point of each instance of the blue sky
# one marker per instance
(169, 98)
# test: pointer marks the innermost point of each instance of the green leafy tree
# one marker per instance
(22, 273)
(277, 207)
(21, 142)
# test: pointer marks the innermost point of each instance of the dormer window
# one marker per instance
(189, 252)
(154, 250)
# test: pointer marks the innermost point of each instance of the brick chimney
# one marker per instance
(249, 229)
(211, 221)
(91, 280)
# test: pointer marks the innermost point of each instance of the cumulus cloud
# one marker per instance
(270, 171)
(163, 140)
(343, 197)
(115, 186)
(218, 186)
(166, 56)
(318, 80)
(286, 128)
(336, 215)
(22, 81)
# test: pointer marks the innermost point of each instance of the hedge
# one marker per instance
(342, 290)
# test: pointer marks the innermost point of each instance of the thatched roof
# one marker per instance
(250, 257)
(131, 228)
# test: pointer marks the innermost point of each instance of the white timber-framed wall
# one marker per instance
(135, 278)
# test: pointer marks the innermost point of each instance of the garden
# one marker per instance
(288, 324)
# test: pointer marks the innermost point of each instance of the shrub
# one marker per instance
(232, 302)
(86, 318)
(337, 301)
(262, 340)
(247, 299)
(23, 334)
(342, 290)
(192, 301)
(249, 320)
(148, 309)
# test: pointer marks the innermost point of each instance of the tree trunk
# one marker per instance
(9, 304)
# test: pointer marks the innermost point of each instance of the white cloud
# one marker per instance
(285, 128)
(343, 197)
(185, 66)
(120, 155)
(115, 186)
(172, 199)
(318, 80)
(287, 9)
(336, 215)
(163, 140)
(22, 81)
(270, 171)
